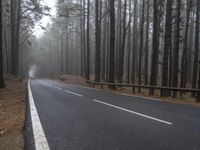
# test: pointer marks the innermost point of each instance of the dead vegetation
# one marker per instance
(12, 113)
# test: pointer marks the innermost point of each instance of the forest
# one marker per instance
(139, 42)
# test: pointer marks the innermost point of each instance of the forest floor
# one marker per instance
(12, 114)
(186, 99)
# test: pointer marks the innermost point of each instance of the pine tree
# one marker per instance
(112, 42)
(2, 85)
(153, 78)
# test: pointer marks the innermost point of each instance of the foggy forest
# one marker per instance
(99, 75)
(139, 42)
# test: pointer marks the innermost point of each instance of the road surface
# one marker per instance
(77, 118)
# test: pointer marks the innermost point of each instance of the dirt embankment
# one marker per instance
(69, 79)
(12, 114)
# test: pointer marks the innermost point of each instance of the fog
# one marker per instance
(32, 71)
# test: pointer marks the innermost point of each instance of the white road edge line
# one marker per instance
(139, 96)
(133, 112)
(38, 132)
(73, 93)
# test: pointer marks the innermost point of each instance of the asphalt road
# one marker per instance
(78, 118)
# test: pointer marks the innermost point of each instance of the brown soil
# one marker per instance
(69, 79)
(187, 99)
(12, 114)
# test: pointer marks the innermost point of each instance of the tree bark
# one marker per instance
(141, 46)
(167, 46)
(176, 46)
(196, 52)
(82, 37)
(133, 72)
(97, 43)
(146, 61)
(61, 53)
(12, 28)
(185, 47)
(118, 36)
(112, 42)
(122, 49)
(84, 41)
(88, 41)
(153, 79)
(2, 85)
(129, 44)
(18, 23)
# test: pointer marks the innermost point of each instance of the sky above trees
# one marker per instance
(38, 31)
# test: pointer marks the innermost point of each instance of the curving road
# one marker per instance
(79, 118)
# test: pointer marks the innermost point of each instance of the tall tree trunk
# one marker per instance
(84, 41)
(122, 49)
(119, 35)
(161, 12)
(190, 48)
(18, 21)
(153, 79)
(97, 43)
(185, 47)
(196, 53)
(67, 50)
(100, 36)
(6, 58)
(82, 37)
(146, 61)
(88, 40)
(170, 65)
(112, 42)
(12, 24)
(134, 45)
(141, 46)
(2, 85)
(176, 46)
(167, 46)
(61, 53)
(108, 48)
(104, 41)
(129, 44)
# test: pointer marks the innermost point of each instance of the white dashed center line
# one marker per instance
(73, 93)
(58, 88)
(133, 112)
(117, 107)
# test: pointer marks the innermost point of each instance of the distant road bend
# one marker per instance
(70, 117)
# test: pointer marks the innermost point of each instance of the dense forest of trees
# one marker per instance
(18, 19)
(142, 42)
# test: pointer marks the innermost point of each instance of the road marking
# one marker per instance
(58, 88)
(133, 112)
(73, 93)
(139, 96)
(38, 132)
(49, 84)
